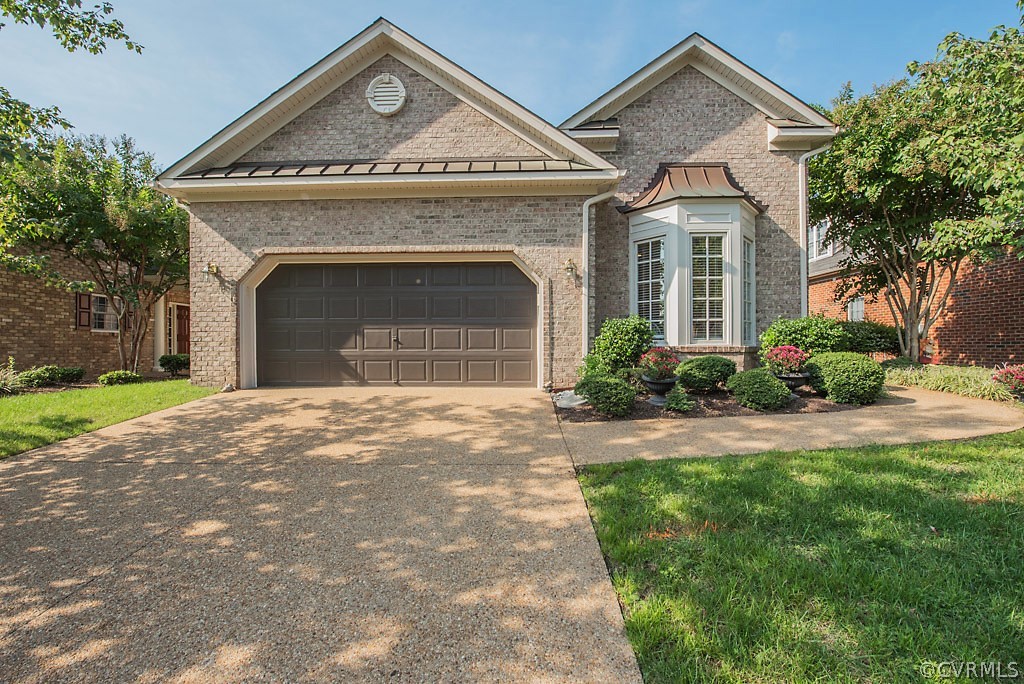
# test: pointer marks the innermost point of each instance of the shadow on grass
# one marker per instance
(40, 432)
(844, 565)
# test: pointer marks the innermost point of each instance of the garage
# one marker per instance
(405, 323)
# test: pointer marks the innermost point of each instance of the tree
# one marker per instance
(915, 183)
(93, 202)
(75, 28)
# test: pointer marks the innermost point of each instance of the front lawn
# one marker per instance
(837, 565)
(28, 421)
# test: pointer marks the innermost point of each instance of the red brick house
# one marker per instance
(983, 323)
(41, 325)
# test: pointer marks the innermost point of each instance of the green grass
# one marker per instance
(836, 565)
(28, 421)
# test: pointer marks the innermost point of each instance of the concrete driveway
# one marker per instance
(314, 535)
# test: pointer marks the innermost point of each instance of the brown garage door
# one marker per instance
(332, 324)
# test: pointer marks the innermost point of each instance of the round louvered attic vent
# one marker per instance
(386, 94)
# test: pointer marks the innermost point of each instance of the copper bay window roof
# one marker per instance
(691, 181)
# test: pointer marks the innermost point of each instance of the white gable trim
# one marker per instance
(381, 37)
(713, 62)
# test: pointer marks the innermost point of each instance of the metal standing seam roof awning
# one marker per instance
(384, 167)
(691, 181)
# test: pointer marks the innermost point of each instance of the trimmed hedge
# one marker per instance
(678, 400)
(174, 363)
(620, 344)
(119, 377)
(813, 334)
(43, 376)
(758, 389)
(869, 337)
(608, 395)
(846, 377)
(705, 373)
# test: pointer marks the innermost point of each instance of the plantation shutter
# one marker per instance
(83, 311)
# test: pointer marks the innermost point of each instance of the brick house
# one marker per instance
(42, 325)
(387, 217)
(983, 323)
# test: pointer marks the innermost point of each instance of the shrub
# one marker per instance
(607, 394)
(593, 365)
(785, 359)
(1011, 377)
(632, 377)
(846, 377)
(174, 363)
(758, 389)
(621, 343)
(659, 363)
(678, 400)
(42, 376)
(10, 382)
(119, 377)
(813, 334)
(900, 362)
(705, 373)
(868, 337)
(967, 381)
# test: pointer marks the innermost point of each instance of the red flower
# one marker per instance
(1011, 376)
(659, 363)
(785, 359)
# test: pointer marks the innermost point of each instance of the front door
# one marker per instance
(181, 329)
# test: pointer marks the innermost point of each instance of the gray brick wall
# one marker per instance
(690, 118)
(343, 126)
(545, 231)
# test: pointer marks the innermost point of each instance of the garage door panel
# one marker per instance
(412, 323)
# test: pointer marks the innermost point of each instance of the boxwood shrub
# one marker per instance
(758, 389)
(846, 377)
(608, 395)
(869, 337)
(678, 400)
(813, 334)
(119, 377)
(705, 373)
(174, 363)
(620, 344)
(42, 376)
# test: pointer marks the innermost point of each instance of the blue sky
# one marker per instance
(207, 61)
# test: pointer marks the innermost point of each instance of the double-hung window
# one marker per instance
(818, 244)
(855, 309)
(104, 318)
(650, 283)
(749, 312)
(707, 287)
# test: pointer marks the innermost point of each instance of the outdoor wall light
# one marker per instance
(570, 268)
(210, 269)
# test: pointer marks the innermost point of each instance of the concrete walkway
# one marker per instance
(308, 536)
(908, 415)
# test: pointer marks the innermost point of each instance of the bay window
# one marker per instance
(707, 288)
(650, 283)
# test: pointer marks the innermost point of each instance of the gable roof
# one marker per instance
(714, 62)
(381, 37)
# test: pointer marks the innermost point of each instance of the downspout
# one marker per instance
(802, 171)
(585, 266)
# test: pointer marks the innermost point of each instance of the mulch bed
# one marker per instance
(712, 405)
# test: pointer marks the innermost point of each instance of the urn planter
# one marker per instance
(659, 388)
(794, 380)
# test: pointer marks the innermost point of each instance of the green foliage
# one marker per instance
(900, 362)
(758, 389)
(967, 381)
(94, 202)
(174, 363)
(608, 395)
(10, 383)
(705, 373)
(120, 377)
(593, 365)
(21, 125)
(869, 337)
(795, 566)
(846, 377)
(621, 342)
(812, 334)
(43, 376)
(659, 363)
(678, 400)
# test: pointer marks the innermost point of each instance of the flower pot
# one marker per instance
(659, 388)
(793, 380)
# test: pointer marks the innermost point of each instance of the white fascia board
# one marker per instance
(799, 137)
(397, 185)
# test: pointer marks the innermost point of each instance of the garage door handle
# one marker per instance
(395, 339)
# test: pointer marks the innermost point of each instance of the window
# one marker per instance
(104, 318)
(749, 314)
(707, 281)
(650, 283)
(855, 309)
(818, 246)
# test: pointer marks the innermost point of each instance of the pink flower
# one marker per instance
(1011, 376)
(785, 359)
(659, 363)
